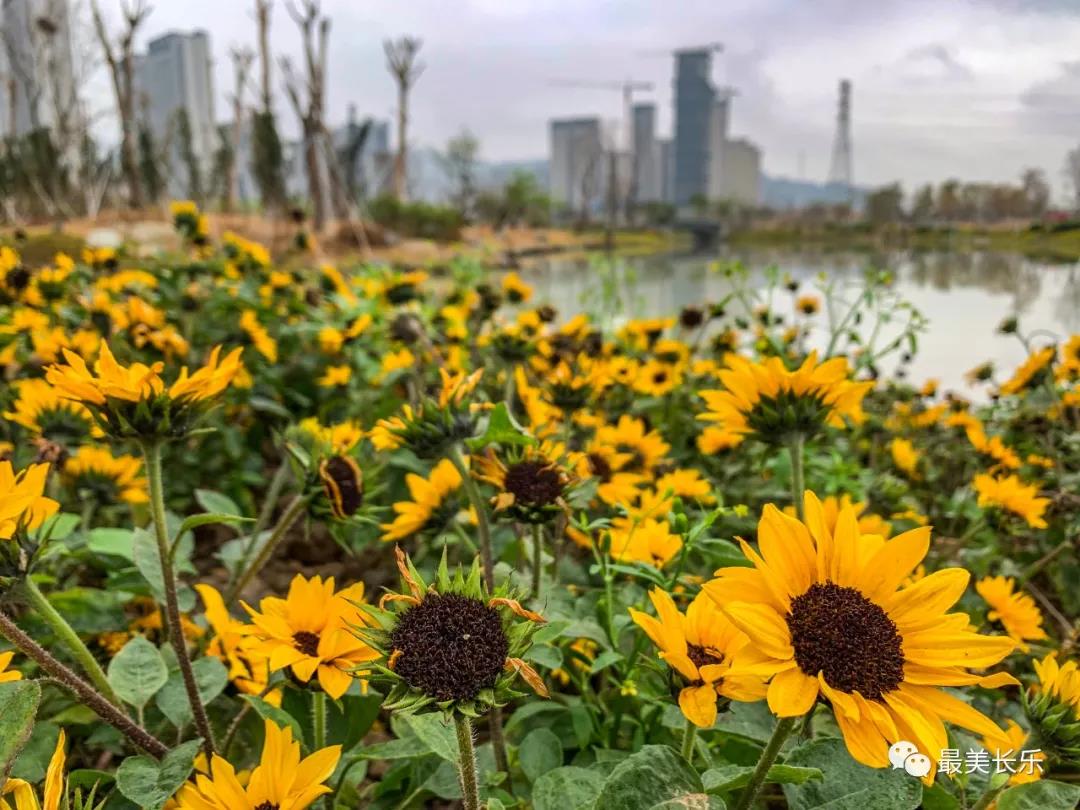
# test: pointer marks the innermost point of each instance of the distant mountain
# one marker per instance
(782, 192)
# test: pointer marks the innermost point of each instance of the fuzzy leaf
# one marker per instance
(149, 783)
(137, 672)
(18, 707)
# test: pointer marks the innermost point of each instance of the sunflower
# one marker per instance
(657, 378)
(827, 618)
(431, 507)
(336, 376)
(1052, 705)
(686, 483)
(451, 645)
(532, 483)
(94, 472)
(713, 440)
(133, 401)
(232, 645)
(701, 647)
(8, 675)
(831, 507)
(637, 449)
(434, 425)
(1012, 495)
(23, 504)
(259, 337)
(774, 404)
(648, 540)
(308, 632)
(516, 290)
(808, 304)
(905, 457)
(393, 362)
(1069, 369)
(1016, 611)
(54, 796)
(995, 448)
(1030, 373)
(336, 439)
(44, 412)
(281, 780)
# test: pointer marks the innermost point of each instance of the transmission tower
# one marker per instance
(840, 167)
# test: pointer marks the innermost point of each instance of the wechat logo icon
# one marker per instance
(905, 756)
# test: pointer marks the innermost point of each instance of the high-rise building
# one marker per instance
(646, 154)
(577, 164)
(174, 79)
(718, 136)
(36, 65)
(695, 110)
(740, 180)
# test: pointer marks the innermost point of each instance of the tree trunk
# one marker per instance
(314, 177)
(400, 165)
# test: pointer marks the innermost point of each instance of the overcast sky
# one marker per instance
(976, 89)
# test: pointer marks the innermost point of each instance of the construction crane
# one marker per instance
(627, 87)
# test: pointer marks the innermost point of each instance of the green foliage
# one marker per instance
(137, 672)
(267, 160)
(18, 708)
(149, 783)
(418, 219)
(847, 785)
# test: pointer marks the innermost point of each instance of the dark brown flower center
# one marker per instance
(703, 656)
(268, 806)
(534, 483)
(852, 642)
(599, 466)
(307, 643)
(452, 646)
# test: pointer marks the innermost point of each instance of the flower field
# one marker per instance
(277, 533)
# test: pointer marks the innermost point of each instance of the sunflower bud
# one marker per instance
(1053, 707)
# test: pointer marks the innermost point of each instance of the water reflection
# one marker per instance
(964, 296)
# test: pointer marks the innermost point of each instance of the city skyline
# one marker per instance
(978, 90)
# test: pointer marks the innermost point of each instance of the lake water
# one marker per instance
(964, 296)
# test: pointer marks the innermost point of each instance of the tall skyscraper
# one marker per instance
(36, 65)
(646, 154)
(577, 169)
(173, 78)
(718, 136)
(695, 99)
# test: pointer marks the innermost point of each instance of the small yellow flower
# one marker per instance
(1016, 611)
(1012, 495)
(905, 457)
(335, 376)
(22, 498)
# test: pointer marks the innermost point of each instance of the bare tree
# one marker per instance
(1072, 175)
(242, 59)
(120, 57)
(262, 19)
(401, 61)
(459, 162)
(315, 32)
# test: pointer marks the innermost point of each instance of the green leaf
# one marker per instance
(112, 542)
(604, 660)
(403, 748)
(502, 430)
(654, 777)
(148, 561)
(733, 777)
(137, 672)
(277, 716)
(847, 784)
(205, 518)
(211, 677)
(150, 783)
(216, 502)
(1045, 794)
(541, 751)
(568, 788)
(18, 708)
(439, 735)
(57, 527)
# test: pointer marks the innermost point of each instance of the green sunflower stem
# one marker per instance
(64, 631)
(292, 512)
(689, 737)
(487, 561)
(798, 485)
(483, 528)
(273, 494)
(152, 453)
(467, 762)
(784, 727)
(318, 726)
(537, 558)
